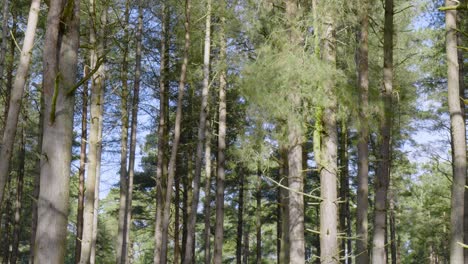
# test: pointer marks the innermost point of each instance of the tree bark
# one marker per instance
(120, 250)
(19, 197)
(60, 52)
(285, 251)
(17, 96)
(3, 45)
(133, 131)
(457, 126)
(344, 193)
(192, 214)
(295, 177)
(176, 139)
(383, 170)
(162, 132)
(97, 87)
(81, 170)
(240, 219)
(258, 225)
(362, 256)
(207, 205)
(37, 178)
(220, 177)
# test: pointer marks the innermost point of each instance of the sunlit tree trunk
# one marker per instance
(16, 96)
(60, 71)
(383, 169)
(457, 128)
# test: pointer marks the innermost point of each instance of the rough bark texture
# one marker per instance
(383, 169)
(362, 256)
(329, 248)
(17, 96)
(220, 177)
(162, 132)
(81, 170)
(192, 214)
(457, 127)
(60, 52)
(124, 94)
(175, 143)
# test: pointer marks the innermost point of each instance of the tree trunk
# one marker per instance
(220, 176)
(329, 248)
(97, 87)
(17, 96)
(192, 214)
(81, 171)
(344, 193)
(240, 219)
(458, 136)
(285, 251)
(383, 170)
(177, 248)
(295, 177)
(207, 205)
(60, 52)
(175, 143)
(3, 45)
(258, 225)
(19, 197)
(362, 256)
(133, 131)
(393, 241)
(162, 132)
(37, 178)
(121, 235)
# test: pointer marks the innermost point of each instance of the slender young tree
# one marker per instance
(133, 129)
(81, 170)
(176, 138)
(220, 176)
(60, 69)
(17, 96)
(162, 131)
(124, 94)
(362, 256)
(383, 169)
(207, 204)
(457, 129)
(192, 213)
(97, 86)
(240, 218)
(3, 45)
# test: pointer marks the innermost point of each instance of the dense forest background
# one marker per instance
(254, 131)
